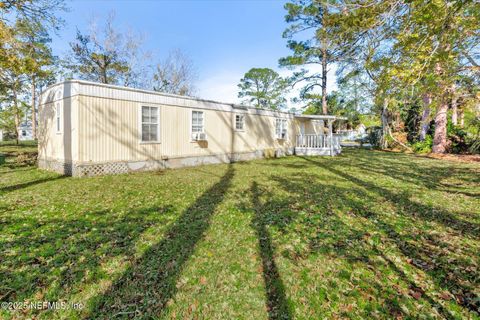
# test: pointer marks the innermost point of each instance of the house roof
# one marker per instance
(207, 104)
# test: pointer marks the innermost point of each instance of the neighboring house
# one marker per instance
(25, 131)
(89, 128)
(351, 135)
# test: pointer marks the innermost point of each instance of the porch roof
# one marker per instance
(319, 117)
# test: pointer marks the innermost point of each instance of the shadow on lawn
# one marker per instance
(432, 255)
(28, 184)
(354, 243)
(277, 303)
(422, 171)
(144, 289)
(11, 168)
(59, 254)
(405, 205)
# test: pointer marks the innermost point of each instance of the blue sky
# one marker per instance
(223, 38)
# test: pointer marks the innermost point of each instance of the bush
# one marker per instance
(424, 146)
(26, 159)
(473, 140)
(374, 134)
(457, 138)
(474, 146)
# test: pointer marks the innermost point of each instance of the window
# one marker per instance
(58, 122)
(150, 124)
(239, 122)
(197, 122)
(281, 128)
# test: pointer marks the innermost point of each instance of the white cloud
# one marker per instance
(221, 86)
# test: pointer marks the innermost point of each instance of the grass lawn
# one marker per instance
(367, 234)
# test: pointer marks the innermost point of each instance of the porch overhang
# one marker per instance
(319, 117)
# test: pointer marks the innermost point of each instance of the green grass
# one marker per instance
(11, 148)
(366, 234)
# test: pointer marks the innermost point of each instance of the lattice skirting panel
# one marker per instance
(101, 169)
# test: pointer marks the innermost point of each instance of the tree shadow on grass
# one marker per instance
(58, 255)
(9, 168)
(325, 233)
(277, 303)
(28, 184)
(406, 205)
(354, 243)
(431, 259)
(144, 289)
(420, 172)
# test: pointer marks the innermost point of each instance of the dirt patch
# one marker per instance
(455, 157)
(468, 158)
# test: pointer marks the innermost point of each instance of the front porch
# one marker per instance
(316, 140)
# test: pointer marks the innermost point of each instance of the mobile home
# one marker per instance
(89, 128)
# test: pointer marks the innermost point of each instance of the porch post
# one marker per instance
(330, 136)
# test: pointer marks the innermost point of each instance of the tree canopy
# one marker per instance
(264, 88)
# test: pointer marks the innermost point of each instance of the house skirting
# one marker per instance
(116, 167)
(58, 166)
(301, 151)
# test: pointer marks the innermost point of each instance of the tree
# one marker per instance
(264, 88)
(176, 74)
(38, 10)
(105, 55)
(446, 31)
(337, 105)
(412, 51)
(312, 20)
(13, 80)
(38, 57)
(354, 88)
(24, 52)
(14, 67)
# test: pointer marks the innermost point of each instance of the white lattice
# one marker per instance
(101, 169)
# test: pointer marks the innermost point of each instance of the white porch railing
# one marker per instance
(312, 141)
(317, 141)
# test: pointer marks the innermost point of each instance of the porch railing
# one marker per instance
(312, 141)
(317, 141)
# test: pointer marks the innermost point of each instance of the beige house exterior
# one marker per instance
(89, 128)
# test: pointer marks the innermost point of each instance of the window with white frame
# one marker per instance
(197, 122)
(281, 128)
(239, 122)
(58, 118)
(150, 124)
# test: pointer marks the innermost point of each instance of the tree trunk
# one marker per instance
(383, 140)
(16, 115)
(324, 77)
(425, 124)
(462, 118)
(103, 71)
(454, 110)
(440, 136)
(34, 112)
